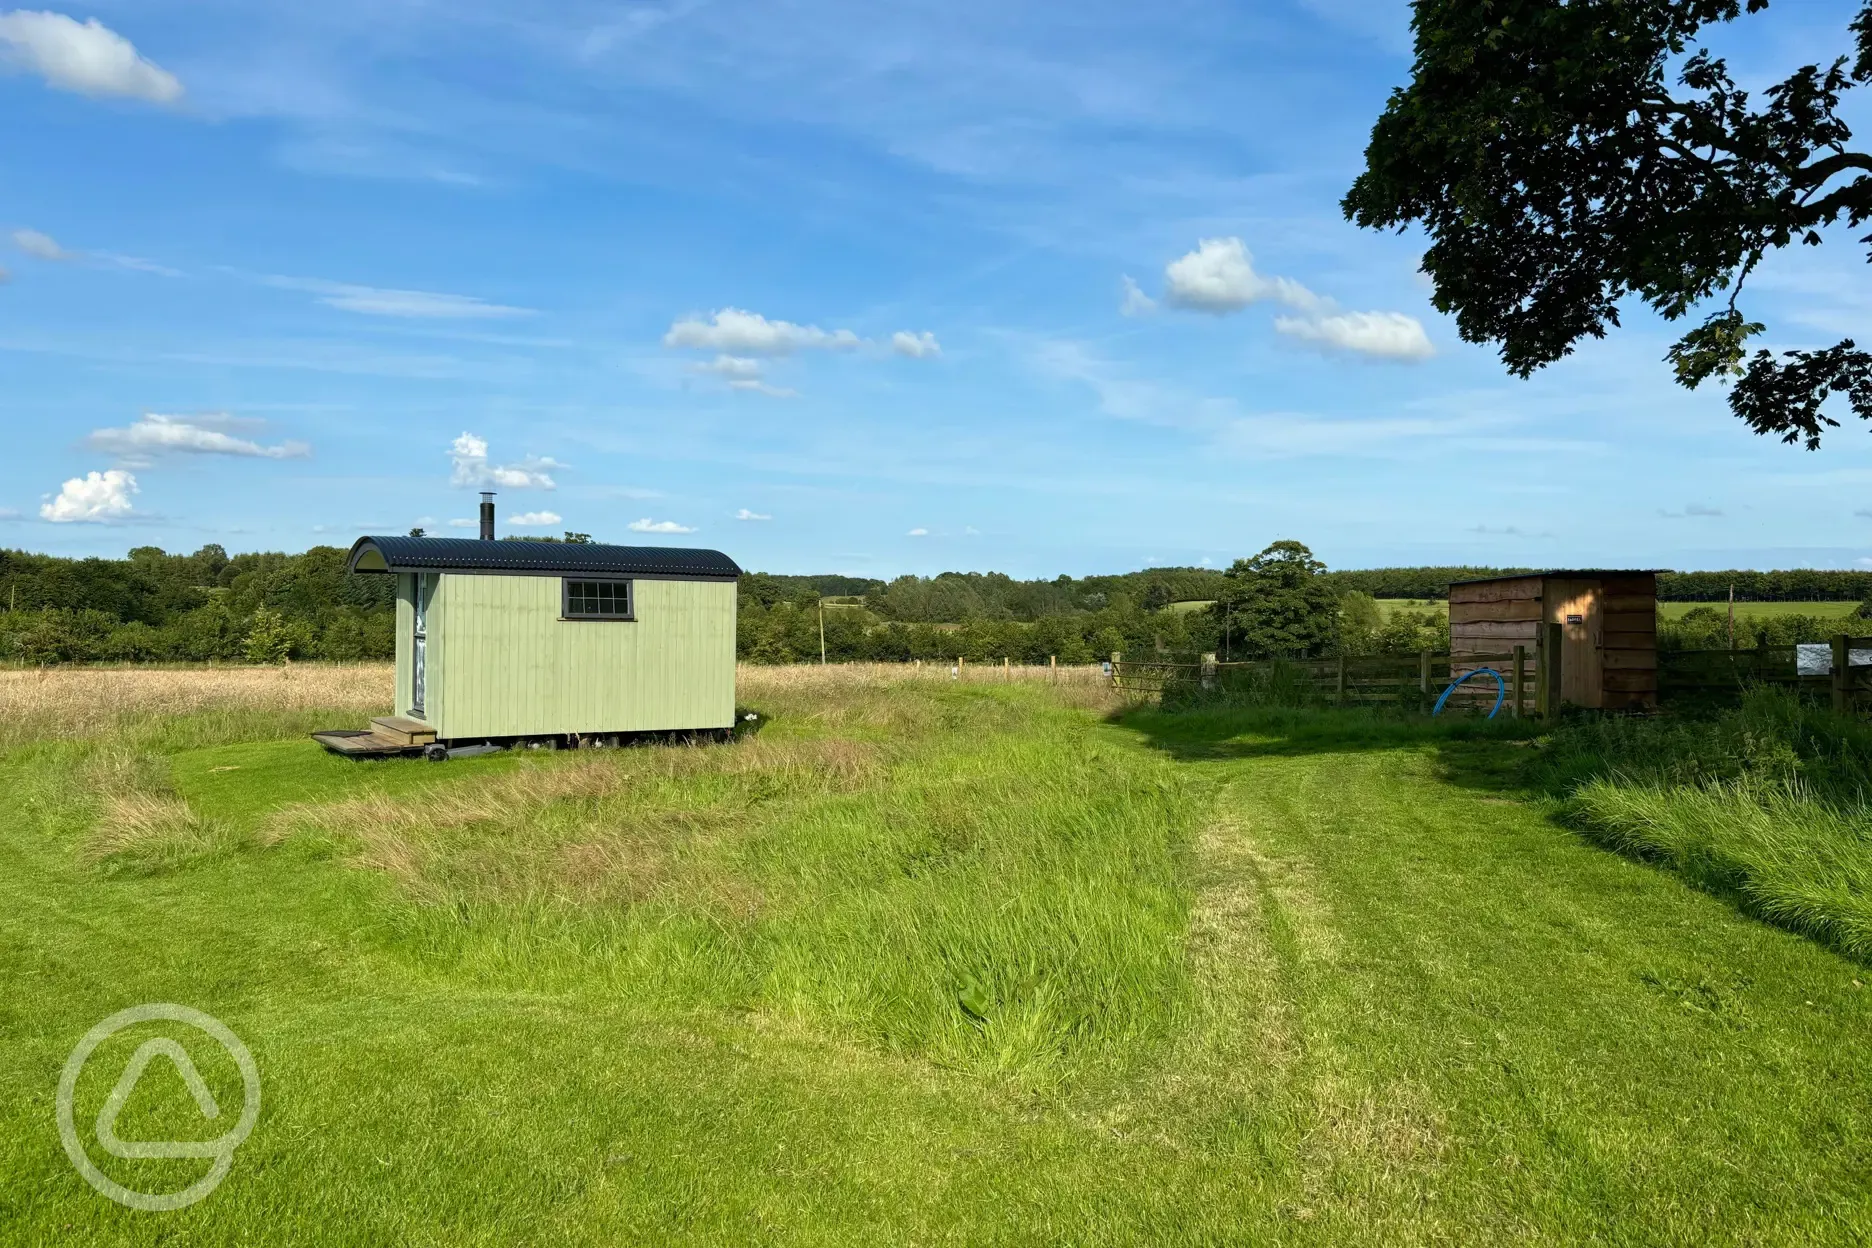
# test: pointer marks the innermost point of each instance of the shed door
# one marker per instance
(1575, 606)
(425, 590)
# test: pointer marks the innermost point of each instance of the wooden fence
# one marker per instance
(1532, 687)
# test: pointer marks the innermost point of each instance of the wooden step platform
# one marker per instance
(362, 742)
(402, 729)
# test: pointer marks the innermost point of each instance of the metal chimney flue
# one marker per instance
(487, 515)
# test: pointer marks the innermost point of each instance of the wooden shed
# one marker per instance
(504, 640)
(1606, 625)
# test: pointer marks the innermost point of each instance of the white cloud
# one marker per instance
(1219, 277)
(1136, 302)
(469, 455)
(761, 387)
(742, 373)
(155, 434)
(736, 332)
(745, 514)
(1388, 335)
(88, 58)
(733, 367)
(647, 525)
(921, 346)
(917, 533)
(464, 524)
(405, 304)
(533, 519)
(96, 496)
(40, 246)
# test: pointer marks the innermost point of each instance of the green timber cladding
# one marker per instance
(500, 658)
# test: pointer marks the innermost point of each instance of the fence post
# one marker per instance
(1209, 670)
(1547, 670)
(1520, 676)
(1007, 668)
(1423, 670)
(1053, 668)
(1116, 659)
(1842, 673)
(1341, 685)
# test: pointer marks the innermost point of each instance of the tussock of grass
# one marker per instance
(1784, 856)
(1765, 803)
(152, 832)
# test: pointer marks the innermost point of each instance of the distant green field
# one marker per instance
(1756, 610)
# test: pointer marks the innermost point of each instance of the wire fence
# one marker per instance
(1841, 668)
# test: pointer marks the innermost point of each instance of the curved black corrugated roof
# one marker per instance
(466, 554)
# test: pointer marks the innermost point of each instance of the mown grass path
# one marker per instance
(924, 966)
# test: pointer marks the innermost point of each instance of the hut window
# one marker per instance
(597, 600)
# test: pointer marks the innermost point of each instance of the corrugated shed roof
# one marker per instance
(466, 554)
(1576, 572)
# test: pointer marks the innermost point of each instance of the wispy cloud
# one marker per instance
(155, 434)
(41, 246)
(744, 374)
(1509, 530)
(1692, 511)
(921, 346)
(535, 519)
(647, 525)
(917, 532)
(88, 58)
(403, 304)
(96, 497)
(745, 514)
(1136, 302)
(468, 455)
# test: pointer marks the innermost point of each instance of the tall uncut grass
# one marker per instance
(1769, 804)
(961, 868)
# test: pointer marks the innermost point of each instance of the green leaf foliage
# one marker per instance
(1565, 157)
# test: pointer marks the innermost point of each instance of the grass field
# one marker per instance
(924, 962)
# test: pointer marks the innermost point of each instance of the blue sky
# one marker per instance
(831, 286)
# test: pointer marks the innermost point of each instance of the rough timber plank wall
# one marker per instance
(1628, 606)
(1493, 617)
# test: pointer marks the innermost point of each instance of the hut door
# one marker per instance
(425, 590)
(1574, 605)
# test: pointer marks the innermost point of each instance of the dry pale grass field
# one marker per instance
(40, 703)
(61, 702)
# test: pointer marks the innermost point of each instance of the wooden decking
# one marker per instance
(403, 730)
(387, 734)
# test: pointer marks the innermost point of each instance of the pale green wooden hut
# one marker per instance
(510, 640)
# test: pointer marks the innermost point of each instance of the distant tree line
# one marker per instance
(207, 606)
(271, 607)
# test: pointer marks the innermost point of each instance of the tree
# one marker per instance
(269, 640)
(1277, 605)
(1564, 155)
(1361, 622)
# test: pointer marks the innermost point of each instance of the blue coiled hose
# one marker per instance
(1501, 689)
